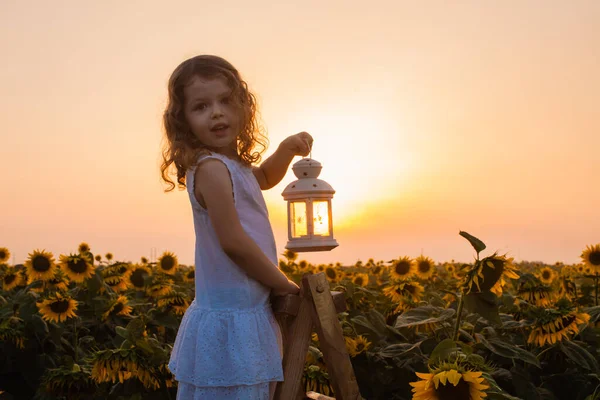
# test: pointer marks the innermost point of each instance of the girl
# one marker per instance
(228, 345)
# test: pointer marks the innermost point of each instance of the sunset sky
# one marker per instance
(428, 118)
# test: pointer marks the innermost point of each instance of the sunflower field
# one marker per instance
(87, 326)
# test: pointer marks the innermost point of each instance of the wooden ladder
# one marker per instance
(315, 308)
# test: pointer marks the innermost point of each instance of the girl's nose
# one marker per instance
(217, 111)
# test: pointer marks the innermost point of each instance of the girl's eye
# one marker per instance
(200, 106)
(225, 100)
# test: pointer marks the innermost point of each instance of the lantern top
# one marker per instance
(307, 168)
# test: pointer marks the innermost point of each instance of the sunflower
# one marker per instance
(40, 265)
(120, 268)
(486, 273)
(547, 275)
(119, 306)
(356, 345)
(57, 307)
(538, 295)
(98, 257)
(117, 282)
(376, 270)
(58, 282)
(402, 268)
(116, 365)
(4, 254)
(160, 286)
(332, 274)
(175, 301)
(580, 268)
(360, 279)
(554, 326)
(405, 293)
(449, 382)
(83, 247)
(137, 278)
(591, 257)
(190, 275)
(167, 263)
(320, 268)
(450, 269)
(11, 279)
(302, 266)
(425, 267)
(76, 267)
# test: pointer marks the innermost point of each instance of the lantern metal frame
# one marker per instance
(308, 189)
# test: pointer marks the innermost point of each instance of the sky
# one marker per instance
(428, 117)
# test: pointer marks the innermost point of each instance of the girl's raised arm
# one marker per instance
(213, 184)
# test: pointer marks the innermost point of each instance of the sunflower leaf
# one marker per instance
(477, 244)
(578, 355)
(444, 350)
(507, 350)
(485, 304)
(124, 333)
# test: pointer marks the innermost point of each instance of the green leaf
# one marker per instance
(578, 355)
(40, 326)
(124, 333)
(507, 350)
(477, 244)
(444, 350)
(398, 349)
(484, 304)
(423, 315)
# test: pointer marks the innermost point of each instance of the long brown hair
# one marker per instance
(181, 146)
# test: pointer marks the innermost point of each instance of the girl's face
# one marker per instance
(211, 113)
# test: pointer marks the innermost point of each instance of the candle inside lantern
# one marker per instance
(320, 218)
(298, 216)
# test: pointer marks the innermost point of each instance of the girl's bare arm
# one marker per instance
(213, 184)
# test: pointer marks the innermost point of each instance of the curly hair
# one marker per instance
(181, 146)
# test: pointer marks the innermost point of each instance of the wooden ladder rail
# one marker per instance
(315, 308)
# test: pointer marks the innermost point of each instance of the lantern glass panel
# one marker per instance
(321, 218)
(298, 219)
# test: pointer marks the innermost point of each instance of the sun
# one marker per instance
(363, 154)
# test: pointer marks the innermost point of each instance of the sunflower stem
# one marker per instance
(75, 349)
(596, 287)
(458, 315)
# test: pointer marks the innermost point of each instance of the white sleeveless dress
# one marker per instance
(228, 345)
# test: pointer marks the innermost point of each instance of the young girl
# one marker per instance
(228, 345)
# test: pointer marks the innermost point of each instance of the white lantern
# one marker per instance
(310, 225)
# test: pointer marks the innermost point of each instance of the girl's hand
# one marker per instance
(298, 144)
(290, 288)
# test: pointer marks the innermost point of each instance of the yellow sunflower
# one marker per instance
(159, 286)
(405, 293)
(356, 345)
(98, 257)
(332, 274)
(489, 271)
(137, 278)
(547, 275)
(538, 295)
(320, 268)
(360, 279)
(76, 267)
(119, 306)
(58, 282)
(450, 269)
(117, 282)
(57, 307)
(190, 275)
(83, 247)
(175, 301)
(424, 267)
(4, 254)
(40, 265)
(167, 263)
(376, 270)
(580, 268)
(591, 257)
(144, 260)
(109, 256)
(121, 268)
(554, 327)
(402, 268)
(449, 382)
(114, 366)
(11, 279)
